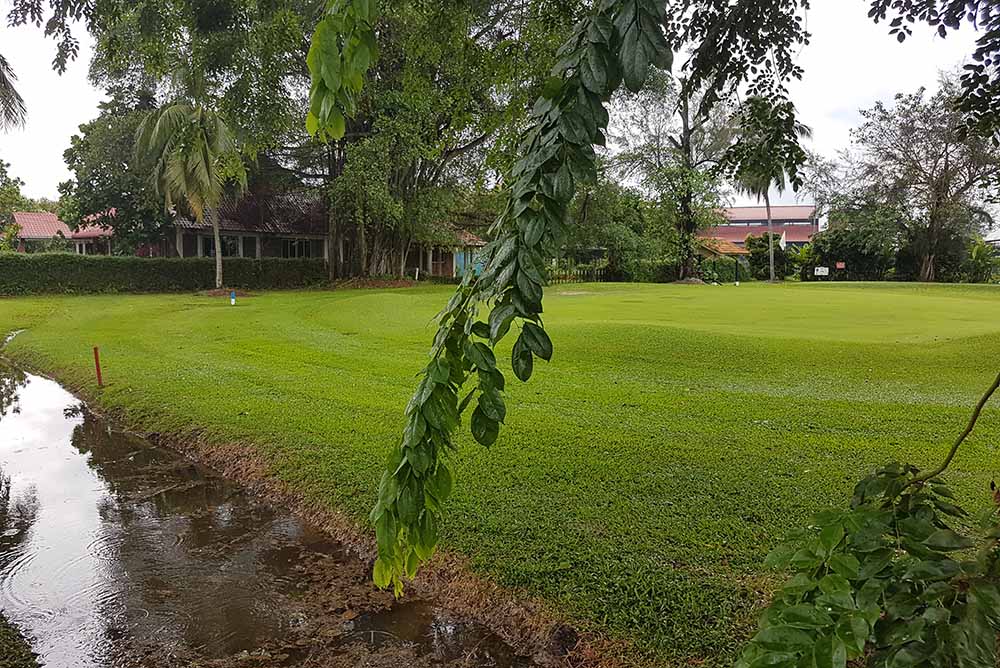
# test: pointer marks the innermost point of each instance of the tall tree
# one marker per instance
(673, 138)
(429, 126)
(12, 109)
(767, 154)
(192, 154)
(917, 155)
(108, 178)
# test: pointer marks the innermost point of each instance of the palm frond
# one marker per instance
(12, 109)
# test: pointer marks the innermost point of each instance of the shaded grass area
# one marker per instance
(679, 433)
(14, 651)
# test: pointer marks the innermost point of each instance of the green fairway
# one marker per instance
(678, 433)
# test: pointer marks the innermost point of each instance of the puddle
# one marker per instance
(114, 552)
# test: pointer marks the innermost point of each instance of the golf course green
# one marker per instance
(679, 432)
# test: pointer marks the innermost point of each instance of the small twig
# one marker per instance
(924, 477)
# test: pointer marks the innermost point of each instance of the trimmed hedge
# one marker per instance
(28, 274)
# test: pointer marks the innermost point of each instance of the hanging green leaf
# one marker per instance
(484, 429)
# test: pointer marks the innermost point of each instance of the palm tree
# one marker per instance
(765, 166)
(12, 110)
(193, 154)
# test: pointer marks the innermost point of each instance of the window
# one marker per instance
(295, 248)
(230, 246)
(250, 247)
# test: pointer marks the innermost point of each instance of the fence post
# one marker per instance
(97, 366)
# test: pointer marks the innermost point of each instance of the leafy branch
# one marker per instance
(887, 583)
(619, 41)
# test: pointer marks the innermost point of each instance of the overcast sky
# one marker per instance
(850, 64)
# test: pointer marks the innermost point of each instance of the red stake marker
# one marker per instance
(97, 366)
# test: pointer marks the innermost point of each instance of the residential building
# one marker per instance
(296, 225)
(41, 230)
(798, 224)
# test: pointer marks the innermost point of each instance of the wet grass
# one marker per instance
(14, 651)
(679, 432)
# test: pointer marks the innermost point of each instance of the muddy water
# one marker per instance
(114, 552)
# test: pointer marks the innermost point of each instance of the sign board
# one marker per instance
(841, 265)
(821, 271)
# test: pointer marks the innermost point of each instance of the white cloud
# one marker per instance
(57, 105)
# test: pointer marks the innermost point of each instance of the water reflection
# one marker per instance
(112, 549)
(12, 379)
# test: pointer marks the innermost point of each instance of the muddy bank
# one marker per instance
(117, 552)
(531, 628)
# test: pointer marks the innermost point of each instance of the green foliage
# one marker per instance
(12, 109)
(672, 141)
(48, 273)
(723, 270)
(759, 258)
(890, 581)
(982, 263)
(11, 199)
(951, 249)
(191, 153)
(865, 239)
(343, 48)
(937, 203)
(981, 77)
(766, 153)
(617, 222)
(557, 154)
(108, 177)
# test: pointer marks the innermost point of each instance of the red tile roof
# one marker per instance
(778, 213)
(724, 247)
(40, 225)
(45, 225)
(92, 232)
(467, 238)
(737, 234)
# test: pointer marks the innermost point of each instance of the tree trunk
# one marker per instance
(770, 235)
(927, 273)
(362, 246)
(218, 247)
(333, 244)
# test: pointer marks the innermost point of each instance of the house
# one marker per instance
(798, 224)
(449, 259)
(289, 226)
(296, 225)
(41, 230)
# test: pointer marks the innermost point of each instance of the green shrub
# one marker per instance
(651, 271)
(723, 270)
(760, 265)
(25, 274)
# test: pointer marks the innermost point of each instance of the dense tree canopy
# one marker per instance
(672, 140)
(107, 177)
(913, 168)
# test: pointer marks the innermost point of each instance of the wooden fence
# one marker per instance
(578, 275)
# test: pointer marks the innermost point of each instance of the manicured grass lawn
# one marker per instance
(679, 432)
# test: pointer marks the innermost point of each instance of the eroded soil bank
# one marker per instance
(116, 552)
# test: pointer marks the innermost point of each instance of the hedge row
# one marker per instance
(27, 274)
